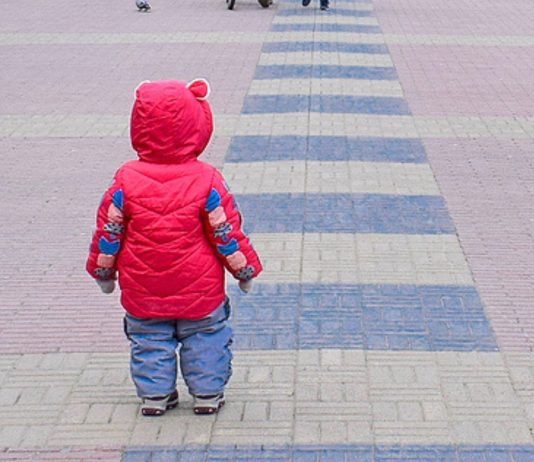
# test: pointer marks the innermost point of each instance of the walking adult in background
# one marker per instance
(324, 4)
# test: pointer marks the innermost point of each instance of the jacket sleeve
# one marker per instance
(222, 223)
(106, 241)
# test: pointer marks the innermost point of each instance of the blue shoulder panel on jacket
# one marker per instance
(117, 198)
(214, 200)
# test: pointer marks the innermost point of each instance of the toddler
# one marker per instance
(168, 226)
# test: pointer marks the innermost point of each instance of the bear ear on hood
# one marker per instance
(139, 86)
(200, 89)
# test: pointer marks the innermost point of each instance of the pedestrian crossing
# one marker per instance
(358, 245)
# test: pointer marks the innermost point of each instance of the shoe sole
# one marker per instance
(155, 412)
(205, 410)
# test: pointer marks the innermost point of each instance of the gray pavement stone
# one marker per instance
(9, 396)
(36, 436)
(330, 177)
(74, 413)
(348, 87)
(76, 126)
(341, 395)
(99, 413)
(11, 436)
(321, 58)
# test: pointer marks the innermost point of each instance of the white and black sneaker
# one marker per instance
(158, 405)
(208, 404)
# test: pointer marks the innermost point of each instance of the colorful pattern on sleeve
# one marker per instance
(107, 238)
(225, 233)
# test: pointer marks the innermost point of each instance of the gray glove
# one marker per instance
(245, 286)
(107, 286)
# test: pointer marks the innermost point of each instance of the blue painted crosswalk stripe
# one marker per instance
(368, 316)
(341, 47)
(345, 213)
(256, 104)
(332, 453)
(358, 4)
(278, 71)
(267, 148)
(354, 28)
(359, 105)
(337, 12)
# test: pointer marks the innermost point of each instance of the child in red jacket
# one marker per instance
(169, 226)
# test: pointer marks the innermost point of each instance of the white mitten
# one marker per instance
(245, 286)
(107, 286)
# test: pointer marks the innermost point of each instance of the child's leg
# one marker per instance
(205, 356)
(153, 355)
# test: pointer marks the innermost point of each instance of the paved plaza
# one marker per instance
(382, 154)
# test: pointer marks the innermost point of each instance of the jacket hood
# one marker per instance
(171, 120)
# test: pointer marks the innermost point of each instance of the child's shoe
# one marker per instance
(157, 406)
(208, 404)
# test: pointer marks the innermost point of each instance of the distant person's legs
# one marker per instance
(143, 6)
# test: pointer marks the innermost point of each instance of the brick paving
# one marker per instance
(381, 155)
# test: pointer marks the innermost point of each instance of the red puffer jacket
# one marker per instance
(168, 223)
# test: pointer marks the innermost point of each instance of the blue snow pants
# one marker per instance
(205, 356)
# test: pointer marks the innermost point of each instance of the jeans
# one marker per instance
(205, 356)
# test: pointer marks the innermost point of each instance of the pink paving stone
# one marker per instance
(456, 17)
(167, 16)
(101, 79)
(488, 186)
(466, 80)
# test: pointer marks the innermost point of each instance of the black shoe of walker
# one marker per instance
(306, 2)
(324, 7)
(143, 6)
